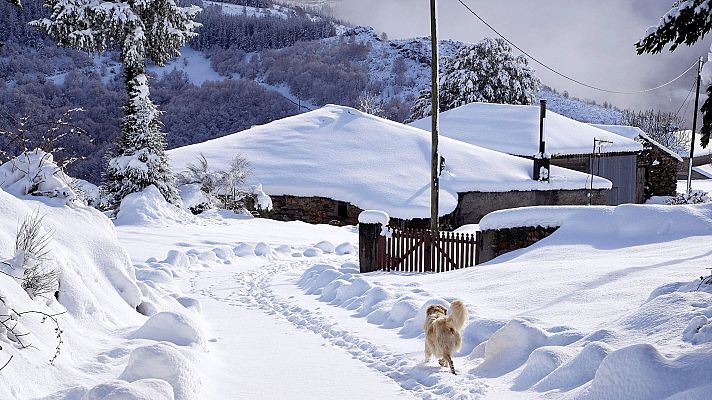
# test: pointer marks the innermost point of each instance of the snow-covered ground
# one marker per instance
(697, 184)
(195, 65)
(161, 304)
(604, 308)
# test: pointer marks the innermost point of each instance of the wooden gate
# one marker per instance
(417, 250)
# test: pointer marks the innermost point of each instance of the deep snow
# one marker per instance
(228, 306)
(514, 129)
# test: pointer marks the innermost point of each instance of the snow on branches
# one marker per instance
(140, 159)
(139, 29)
(483, 72)
(685, 23)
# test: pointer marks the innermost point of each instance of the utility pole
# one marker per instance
(694, 127)
(434, 173)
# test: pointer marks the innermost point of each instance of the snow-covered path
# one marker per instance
(257, 342)
(375, 367)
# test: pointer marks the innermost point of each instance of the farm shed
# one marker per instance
(657, 164)
(514, 130)
(327, 165)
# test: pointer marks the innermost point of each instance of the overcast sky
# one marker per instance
(591, 40)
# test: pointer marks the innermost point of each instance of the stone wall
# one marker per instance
(314, 210)
(660, 171)
(472, 206)
(494, 243)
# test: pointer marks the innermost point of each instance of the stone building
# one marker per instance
(328, 165)
(658, 166)
(514, 129)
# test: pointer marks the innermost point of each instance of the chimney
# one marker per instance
(541, 160)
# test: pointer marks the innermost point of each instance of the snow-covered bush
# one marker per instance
(695, 197)
(194, 198)
(32, 257)
(149, 207)
(35, 173)
(485, 72)
(201, 187)
(31, 264)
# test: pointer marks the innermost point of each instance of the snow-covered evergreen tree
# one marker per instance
(687, 22)
(139, 29)
(486, 72)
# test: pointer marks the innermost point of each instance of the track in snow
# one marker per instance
(251, 289)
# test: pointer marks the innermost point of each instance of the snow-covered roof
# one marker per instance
(370, 162)
(633, 132)
(705, 170)
(514, 129)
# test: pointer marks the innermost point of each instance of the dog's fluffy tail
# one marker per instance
(458, 314)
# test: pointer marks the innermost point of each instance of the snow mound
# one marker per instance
(312, 252)
(373, 217)
(148, 207)
(541, 362)
(640, 372)
(343, 154)
(263, 250)
(577, 371)
(170, 327)
(345, 248)
(244, 250)
(631, 223)
(142, 389)
(163, 361)
(35, 173)
(510, 347)
(325, 246)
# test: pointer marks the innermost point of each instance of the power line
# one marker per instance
(564, 75)
(692, 89)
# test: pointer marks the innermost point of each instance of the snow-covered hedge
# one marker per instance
(695, 197)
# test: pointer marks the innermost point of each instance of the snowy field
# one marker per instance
(595, 310)
(160, 304)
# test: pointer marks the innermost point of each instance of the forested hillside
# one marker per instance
(256, 61)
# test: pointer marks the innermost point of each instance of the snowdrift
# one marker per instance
(98, 289)
(615, 323)
(631, 224)
(99, 302)
(344, 154)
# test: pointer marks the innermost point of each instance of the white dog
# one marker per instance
(442, 332)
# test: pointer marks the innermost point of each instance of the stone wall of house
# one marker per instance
(494, 243)
(472, 206)
(314, 210)
(660, 171)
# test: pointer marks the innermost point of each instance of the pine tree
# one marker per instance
(687, 22)
(138, 29)
(485, 72)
